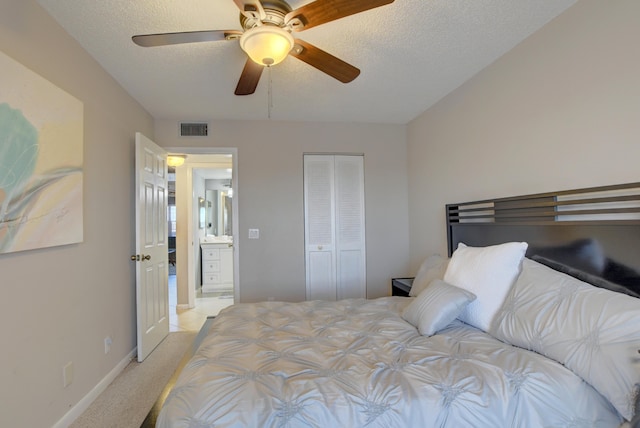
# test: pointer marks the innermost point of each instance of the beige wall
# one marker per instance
(270, 195)
(58, 304)
(560, 111)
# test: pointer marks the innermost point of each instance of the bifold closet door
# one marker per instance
(334, 227)
(349, 215)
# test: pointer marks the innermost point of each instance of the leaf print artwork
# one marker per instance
(41, 144)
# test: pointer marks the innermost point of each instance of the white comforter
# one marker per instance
(357, 363)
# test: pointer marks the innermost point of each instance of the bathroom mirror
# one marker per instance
(201, 212)
(225, 205)
(211, 212)
(218, 213)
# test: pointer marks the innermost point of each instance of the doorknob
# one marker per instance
(139, 257)
(135, 258)
(147, 257)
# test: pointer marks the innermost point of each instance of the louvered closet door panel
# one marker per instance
(350, 231)
(319, 227)
(321, 278)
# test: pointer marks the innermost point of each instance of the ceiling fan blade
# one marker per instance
(251, 8)
(323, 11)
(162, 39)
(324, 61)
(249, 78)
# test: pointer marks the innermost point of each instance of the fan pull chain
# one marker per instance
(270, 94)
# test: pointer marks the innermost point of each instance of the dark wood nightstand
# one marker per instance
(401, 286)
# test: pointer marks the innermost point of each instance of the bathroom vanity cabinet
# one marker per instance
(217, 266)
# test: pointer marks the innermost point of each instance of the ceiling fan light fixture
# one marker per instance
(176, 160)
(266, 44)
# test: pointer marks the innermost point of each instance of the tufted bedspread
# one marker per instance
(357, 363)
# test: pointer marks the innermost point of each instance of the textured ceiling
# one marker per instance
(411, 53)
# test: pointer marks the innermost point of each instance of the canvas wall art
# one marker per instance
(41, 156)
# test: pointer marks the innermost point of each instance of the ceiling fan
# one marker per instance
(267, 40)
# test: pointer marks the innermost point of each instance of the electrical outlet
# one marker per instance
(67, 374)
(107, 344)
(254, 233)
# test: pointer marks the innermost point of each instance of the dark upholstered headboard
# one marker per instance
(592, 234)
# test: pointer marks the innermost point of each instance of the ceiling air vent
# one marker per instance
(194, 129)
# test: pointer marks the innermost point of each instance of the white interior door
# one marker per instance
(319, 227)
(334, 227)
(151, 258)
(350, 227)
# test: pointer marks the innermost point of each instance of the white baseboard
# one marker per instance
(184, 306)
(86, 401)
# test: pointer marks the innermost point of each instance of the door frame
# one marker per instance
(188, 252)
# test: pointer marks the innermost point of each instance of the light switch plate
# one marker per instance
(254, 233)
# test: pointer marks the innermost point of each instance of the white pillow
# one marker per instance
(592, 331)
(488, 272)
(433, 267)
(436, 306)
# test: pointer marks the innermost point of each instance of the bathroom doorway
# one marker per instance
(205, 213)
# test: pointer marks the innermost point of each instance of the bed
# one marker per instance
(531, 320)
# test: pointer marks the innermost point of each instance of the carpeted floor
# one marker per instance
(127, 400)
